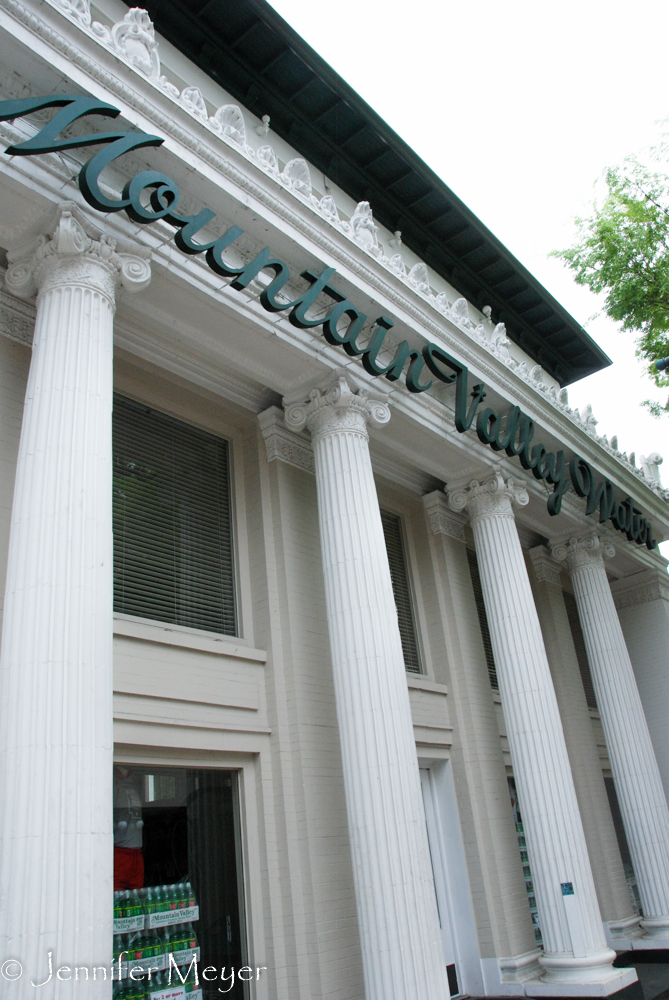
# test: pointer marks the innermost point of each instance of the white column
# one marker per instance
(574, 943)
(56, 658)
(615, 902)
(397, 913)
(642, 603)
(637, 778)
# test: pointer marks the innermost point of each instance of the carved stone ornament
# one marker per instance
(191, 98)
(135, 38)
(284, 444)
(339, 404)
(363, 229)
(586, 550)
(229, 121)
(78, 10)
(494, 497)
(296, 174)
(443, 521)
(74, 252)
(546, 569)
(268, 158)
(419, 278)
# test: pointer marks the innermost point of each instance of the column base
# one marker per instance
(643, 944)
(619, 933)
(618, 979)
(656, 928)
(506, 977)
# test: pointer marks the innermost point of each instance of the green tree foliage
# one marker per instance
(622, 252)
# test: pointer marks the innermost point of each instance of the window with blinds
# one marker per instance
(579, 645)
(392, 530)
(173, 556)
(483, 620)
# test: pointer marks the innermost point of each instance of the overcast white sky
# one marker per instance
(519, 106)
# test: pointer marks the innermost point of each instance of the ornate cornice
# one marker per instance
(337, 404)
(283, 444)
(410, 296)
(586, 550)
(443, 521)
(74, 252)
(494, 497)
(546, 570)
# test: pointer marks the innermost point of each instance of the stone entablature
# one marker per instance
(133, 40)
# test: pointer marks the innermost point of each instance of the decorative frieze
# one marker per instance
(642, 588)
(17, 319)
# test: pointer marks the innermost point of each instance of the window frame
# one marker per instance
(401, 509)
(204, 420)
(249, 849)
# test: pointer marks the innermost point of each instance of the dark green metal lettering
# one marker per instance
(301, 305)
(90, 172)
(164, 196)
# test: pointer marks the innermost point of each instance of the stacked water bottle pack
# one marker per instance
(153, 933)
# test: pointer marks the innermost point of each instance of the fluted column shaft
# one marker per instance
(56, 656)
(397, 913)
(573, 936)
(607, 868)
(643, 804)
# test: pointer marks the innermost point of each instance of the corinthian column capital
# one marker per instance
(338, 404)
(72, 251)
(586, 550)
(494, 496)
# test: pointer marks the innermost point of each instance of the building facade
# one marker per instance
(334, 640)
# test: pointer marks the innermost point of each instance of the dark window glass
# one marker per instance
(177, 880)
(392, 530)
(579, 644)
(483, 620)
(173, 558)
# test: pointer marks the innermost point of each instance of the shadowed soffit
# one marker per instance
(246, 47)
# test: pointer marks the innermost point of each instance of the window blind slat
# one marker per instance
(392, 530)
(173, 559)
